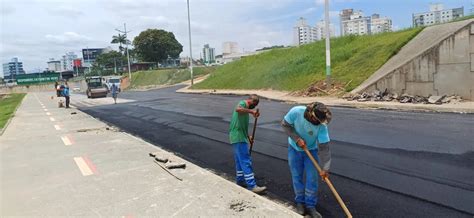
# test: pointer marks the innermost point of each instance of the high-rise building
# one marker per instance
(11, 69)
(321, 30)
(356, 24)
(303, 33)
(380, 24)
(54, 65)
(345, 15)
(208, 55)
(229, 48)
(67, 61)
(437, 15)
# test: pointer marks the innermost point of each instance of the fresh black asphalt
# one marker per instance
(385, 163)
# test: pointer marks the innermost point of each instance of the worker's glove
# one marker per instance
(300, 142)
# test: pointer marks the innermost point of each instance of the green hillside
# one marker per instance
(354, 59)
(166, 76)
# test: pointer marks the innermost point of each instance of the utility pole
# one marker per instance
(89, 60)
(126, 48)
(115, 66)
(328, 45)
(190, 48)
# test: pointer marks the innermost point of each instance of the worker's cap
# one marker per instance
(320, 111)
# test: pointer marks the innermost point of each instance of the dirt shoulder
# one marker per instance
(459, 107)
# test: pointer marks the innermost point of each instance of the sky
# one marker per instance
(37, 30)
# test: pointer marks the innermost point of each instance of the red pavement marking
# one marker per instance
(69, 136)
(90, 165)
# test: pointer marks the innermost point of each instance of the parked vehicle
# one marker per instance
(95, 87)
(112, 80)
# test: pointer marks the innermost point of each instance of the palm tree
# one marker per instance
(121, 40)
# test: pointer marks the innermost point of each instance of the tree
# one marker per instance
(109, 60)
(155, 45)
(121, 40)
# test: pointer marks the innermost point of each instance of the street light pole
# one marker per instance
(328, 45)
(89, 60)
(190, 48)
(126, 48)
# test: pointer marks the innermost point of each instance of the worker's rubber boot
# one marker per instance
(300, 209)
(313, 213)
(259, 190)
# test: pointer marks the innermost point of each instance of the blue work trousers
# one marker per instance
(300, 165)
(243, 165)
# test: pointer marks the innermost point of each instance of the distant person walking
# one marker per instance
(114, 91)
(56, 88)
(66, 94)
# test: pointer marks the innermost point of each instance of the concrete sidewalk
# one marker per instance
(461, 107)
(62, 162)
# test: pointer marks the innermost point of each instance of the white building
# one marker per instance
(208, 53)
(356, 24)
(12, 69)
(345, 15)
(303, 33)
(67, 61)
(320, 30)
(229, 48)
(380, 24)
(437, 15)
(54, 65)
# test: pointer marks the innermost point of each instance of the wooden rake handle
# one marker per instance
(253, 133)
(338, 198)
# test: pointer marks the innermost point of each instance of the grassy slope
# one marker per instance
(8, 106)
(354, 58)
(166, 76)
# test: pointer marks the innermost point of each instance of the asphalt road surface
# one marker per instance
(385, 163)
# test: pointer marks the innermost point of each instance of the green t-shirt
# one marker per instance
(239, 125)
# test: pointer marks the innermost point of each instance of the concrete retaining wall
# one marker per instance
(49, 87)
(444, 68)
(25, 89)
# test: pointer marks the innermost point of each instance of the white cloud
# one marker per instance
(67, 38)
(66, 12)
(321, 2)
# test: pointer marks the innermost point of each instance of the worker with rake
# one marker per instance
(308, 132)
(239, 138)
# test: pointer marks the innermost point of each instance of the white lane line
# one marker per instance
(52, 119)
(47, 113)
(83, 167)
(45, 109)
(66, 140)
(57, 127)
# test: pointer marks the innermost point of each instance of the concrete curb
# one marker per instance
(467, 108)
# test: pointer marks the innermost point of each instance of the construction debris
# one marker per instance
(320, 89)
(176, 165)
(161, 159)
(168, 171)
(167, 163)
(378, 95)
